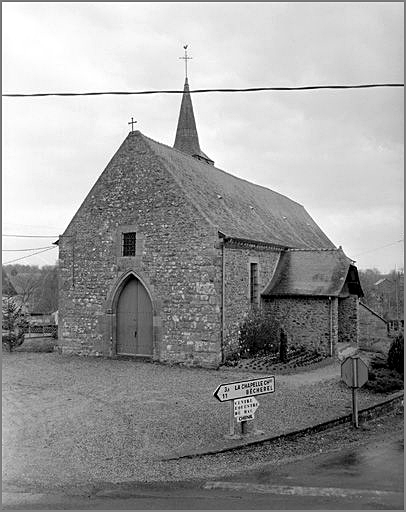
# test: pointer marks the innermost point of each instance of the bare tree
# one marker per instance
(26, 285)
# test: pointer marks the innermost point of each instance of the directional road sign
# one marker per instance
(245, 388)
(244, 408)
(354, 372)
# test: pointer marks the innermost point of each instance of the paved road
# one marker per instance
(363, 477)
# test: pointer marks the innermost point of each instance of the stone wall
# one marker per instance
(348, 330)
(306, 321)
(237, 283)
(176, 260)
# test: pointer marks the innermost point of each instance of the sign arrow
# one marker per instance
(244, 389)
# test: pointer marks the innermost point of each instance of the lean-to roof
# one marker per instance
(313, 273)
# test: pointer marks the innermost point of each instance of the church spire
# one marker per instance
(186, 139)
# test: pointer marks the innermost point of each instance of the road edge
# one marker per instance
(389, 404)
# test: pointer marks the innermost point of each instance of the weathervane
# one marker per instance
(186, 58)
(132, 123)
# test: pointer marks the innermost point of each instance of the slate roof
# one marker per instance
(238, 208)
(312, 273)
(187, 139)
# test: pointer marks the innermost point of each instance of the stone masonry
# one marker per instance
(308, 321)
(348, 319)
(177, 262)
(238, 257)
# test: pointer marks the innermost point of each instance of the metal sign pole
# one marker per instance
(231, 417)
(354, 393)
(354, 408)
(354, 372)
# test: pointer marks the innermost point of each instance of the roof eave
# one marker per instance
(228, 238)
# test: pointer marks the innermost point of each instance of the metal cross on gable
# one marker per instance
(132, 123)
(186, 58)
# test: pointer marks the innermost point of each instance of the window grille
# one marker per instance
(254, 299)
(129, 242)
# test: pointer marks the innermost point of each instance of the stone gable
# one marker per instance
(176, 262)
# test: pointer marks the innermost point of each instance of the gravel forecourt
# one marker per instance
(71, 421)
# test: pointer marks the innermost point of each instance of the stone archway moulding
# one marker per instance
(111, 307)
(114, 293)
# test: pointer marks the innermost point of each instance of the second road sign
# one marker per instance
(244, 408)
(354, 372)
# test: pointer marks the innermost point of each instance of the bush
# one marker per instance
(259, 334)
(13, 324)
(378, 361)
(384, 380)
(381, 378)
(11, 341)
(396, 354)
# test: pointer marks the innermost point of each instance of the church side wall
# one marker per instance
(237, 285)
(308, 321)
(176, 260)
(348, 320)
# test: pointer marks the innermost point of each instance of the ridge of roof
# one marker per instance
(243, 180)
(238, 207)
(293, 249)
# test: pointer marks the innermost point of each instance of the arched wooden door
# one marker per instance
(134, 320)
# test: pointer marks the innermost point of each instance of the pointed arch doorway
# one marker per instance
(134, 320)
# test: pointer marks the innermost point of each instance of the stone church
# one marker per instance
(168, 253)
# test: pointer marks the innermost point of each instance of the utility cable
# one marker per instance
(249, 89)
(21, 250)
(24, 257)
(33, 236)
(377, 248)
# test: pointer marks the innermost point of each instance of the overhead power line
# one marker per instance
(248, 89)
(21, 250)
(33, 236)
(381, 247)
(29, 256)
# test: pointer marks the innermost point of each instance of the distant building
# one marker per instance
(396, 326)
(390, 297)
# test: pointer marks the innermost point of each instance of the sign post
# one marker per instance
(354, 372)
(355, 393)
(232, 433)
(241, 396)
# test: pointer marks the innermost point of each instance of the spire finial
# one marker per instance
(186, 58)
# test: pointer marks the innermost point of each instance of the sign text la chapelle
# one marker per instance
(243, 389)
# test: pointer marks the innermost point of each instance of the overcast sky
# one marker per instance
(338, 153)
